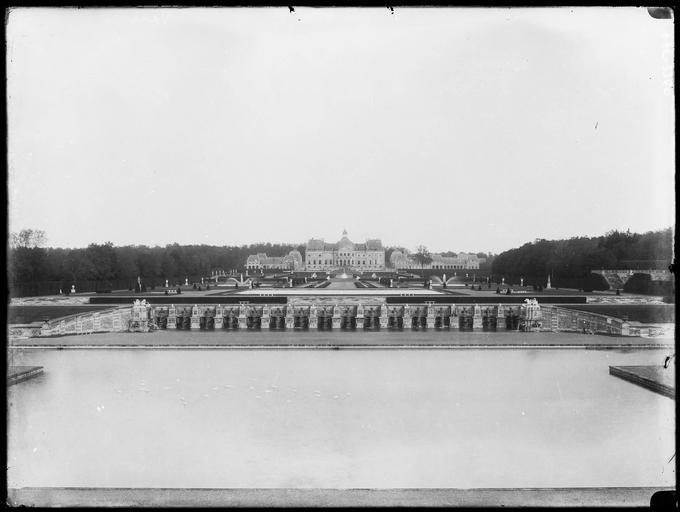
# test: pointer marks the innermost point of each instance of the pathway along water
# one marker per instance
(338, 338)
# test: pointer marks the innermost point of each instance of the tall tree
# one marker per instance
(422, 256)
(26, 256)
(27, 238)
(103, 260)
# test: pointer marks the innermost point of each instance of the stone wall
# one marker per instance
(111, 320)
(333, 312)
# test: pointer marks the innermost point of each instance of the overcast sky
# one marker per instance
(460, 129)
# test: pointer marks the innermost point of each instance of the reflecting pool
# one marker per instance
(337, 419)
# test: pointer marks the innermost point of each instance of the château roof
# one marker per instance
(318, 244)
(346, 243)
(374, 244)
(315, 244)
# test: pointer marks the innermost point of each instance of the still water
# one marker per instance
(337, 419)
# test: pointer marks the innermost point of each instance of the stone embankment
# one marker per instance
(309, 315)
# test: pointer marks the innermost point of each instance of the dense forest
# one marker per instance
(570, 262)
(34, 270)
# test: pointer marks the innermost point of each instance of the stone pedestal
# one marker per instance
(219, 317)
(430, 321)
(290, 322)
(359, 316)
(625, 329)
(96, 322)
(500, 318)
(384, 321)
(313, 322)
(477, 317)
(477, 321)
(172, 317)
(453, 322)
(242, 321)
(407, 319)
(336, 322)
(195, 318)
(265, 319)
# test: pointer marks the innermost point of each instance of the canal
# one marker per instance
(473, 418)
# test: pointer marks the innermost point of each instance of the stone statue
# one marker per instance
(186, 281)
(73, 288)
(166, 283)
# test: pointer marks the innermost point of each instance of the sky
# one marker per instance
(455, 128)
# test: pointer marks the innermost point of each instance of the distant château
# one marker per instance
(359, 257)
(320, 255)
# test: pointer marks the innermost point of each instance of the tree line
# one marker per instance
(570, 262)
(36, 270)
